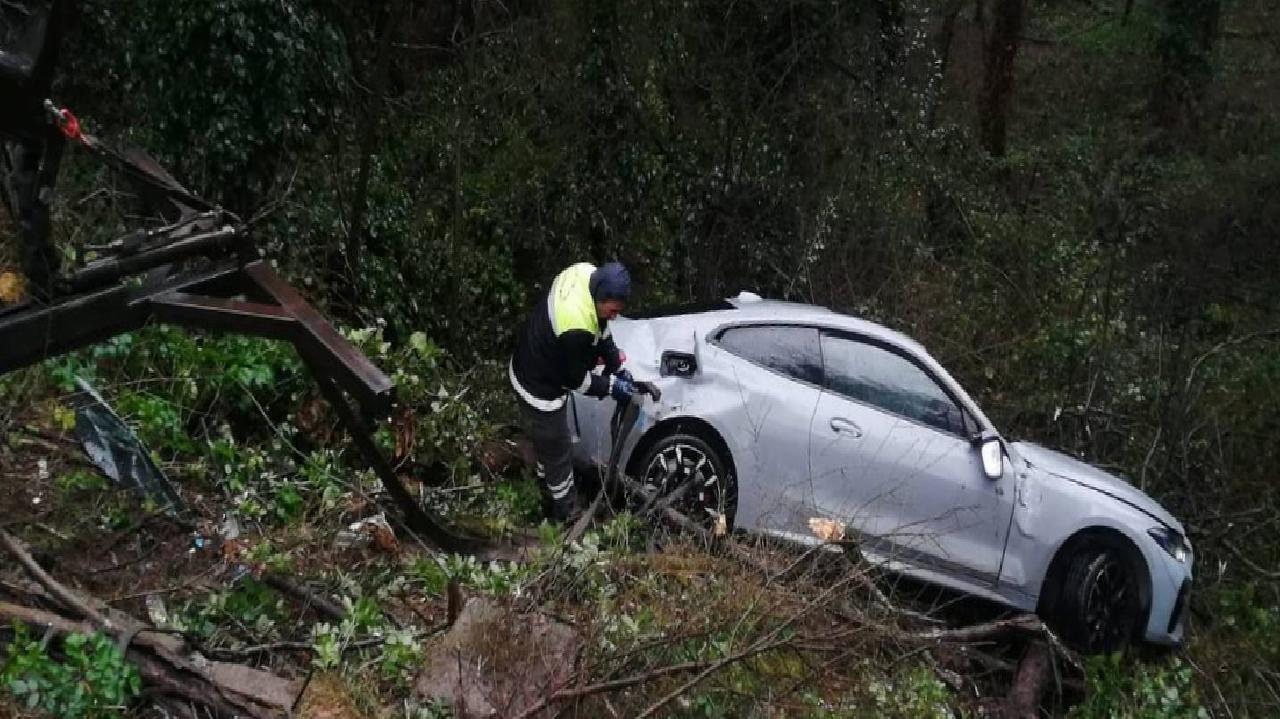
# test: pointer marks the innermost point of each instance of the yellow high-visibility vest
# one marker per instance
(570, 304)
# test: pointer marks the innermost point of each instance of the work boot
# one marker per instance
(567, 510)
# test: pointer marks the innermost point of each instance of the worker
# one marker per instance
(566, 335)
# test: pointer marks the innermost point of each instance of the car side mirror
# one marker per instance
(992, 452)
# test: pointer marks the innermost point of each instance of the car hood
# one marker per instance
(1061, 465)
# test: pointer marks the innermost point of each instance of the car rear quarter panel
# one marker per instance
(643, 342)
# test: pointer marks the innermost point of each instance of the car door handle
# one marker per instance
(840, 425)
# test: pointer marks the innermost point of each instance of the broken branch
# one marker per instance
(158, 662)
(59, 592)
(153, 670)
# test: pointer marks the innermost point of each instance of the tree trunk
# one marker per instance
(1000, 52)
(1186, 44)
(891, 19)
(942, 46)
(370, 112)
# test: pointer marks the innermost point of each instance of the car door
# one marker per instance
(890, 456)
(771, 377)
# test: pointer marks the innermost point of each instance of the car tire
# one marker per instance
(1098, 606)
(678, 458)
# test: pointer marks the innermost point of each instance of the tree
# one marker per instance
(999, 53)
(1185, 45)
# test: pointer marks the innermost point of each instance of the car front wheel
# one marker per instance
(1099, 605)
(687, 464)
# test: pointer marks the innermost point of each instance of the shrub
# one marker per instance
(91, 680)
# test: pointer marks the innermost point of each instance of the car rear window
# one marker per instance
(789, 349)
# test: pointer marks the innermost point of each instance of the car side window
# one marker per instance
(872, 374)
(789, 349)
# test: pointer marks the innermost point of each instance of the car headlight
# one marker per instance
(1178, 546)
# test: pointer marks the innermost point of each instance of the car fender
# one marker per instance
(1042, 526)
(653, 426)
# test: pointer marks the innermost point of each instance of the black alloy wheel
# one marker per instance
(1100, 606)
(687, 464)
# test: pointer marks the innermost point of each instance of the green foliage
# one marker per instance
(158, 419)
(493, 577)
(1120, 690)
(436, 709)
(1245, 611)
(451, 408)
(82, 480)
(399, 654)
(327, 645)
(549, 534)
(509, 504)
(173, 378)
(91, 680)
(363, 617)
(917, 692)
(250, 611)
(401, 657)
(430, 571)
(1107, 287)
(250, 79)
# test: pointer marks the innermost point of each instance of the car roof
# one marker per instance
(748, 307)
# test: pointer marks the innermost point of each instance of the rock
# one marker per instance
(494, 662)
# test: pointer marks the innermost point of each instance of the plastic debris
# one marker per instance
(118, 452)
(230, 528)
(156, 610)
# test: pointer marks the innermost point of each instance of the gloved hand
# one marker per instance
(621, 389)
(625, 374)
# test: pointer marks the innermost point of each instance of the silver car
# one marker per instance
(799, 422)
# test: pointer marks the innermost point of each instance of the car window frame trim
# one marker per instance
(713, 338)
(904, 354)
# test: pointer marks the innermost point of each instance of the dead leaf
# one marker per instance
(12, 287)
(722, 526)
(232, 549)
(385, 538)
(405, 427)
(377, 531)
(328, 696)
(311, 419)
(828, 530)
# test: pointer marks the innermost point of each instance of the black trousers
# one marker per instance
(549, 432)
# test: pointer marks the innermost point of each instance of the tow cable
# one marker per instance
(620, 425)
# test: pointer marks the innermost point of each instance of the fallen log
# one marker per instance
(158, 656)
(1029, 683)
(1023, 623)
(158, 674)
(322, 605)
